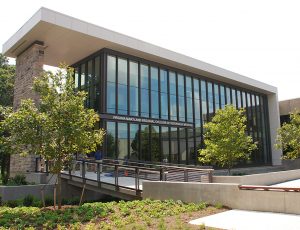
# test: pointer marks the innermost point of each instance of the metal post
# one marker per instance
(137, 184)
(161, 174)
(47, 167)
(98, 172)
(186, 178)
(117, 177)
(83, 169)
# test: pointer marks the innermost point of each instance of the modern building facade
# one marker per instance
(153, 102)
(286, 107)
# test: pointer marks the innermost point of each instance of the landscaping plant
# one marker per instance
(288, 137)
(226, 140)
(56, 128)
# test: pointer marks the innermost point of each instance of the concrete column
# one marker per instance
(29, 64)
(274, 118)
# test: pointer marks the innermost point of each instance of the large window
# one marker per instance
(173, 96)
(122, 86)
(164, 95)
(144, 90)
(189, 99)
(111, 84)
(123, 140)
(181, 97)
(154, 93)
(134, 88)
(176, 104)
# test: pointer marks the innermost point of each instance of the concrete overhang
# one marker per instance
(69, 40)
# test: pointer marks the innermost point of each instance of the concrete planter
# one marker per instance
(19, 192)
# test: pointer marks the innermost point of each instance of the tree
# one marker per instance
(58, 127)
(225, 138)
(7, 77)
(288, 137)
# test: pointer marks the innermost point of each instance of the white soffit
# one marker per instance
(69, 40)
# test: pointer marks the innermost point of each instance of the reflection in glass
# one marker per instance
(111, 140)
(165, 143)
(122, 86)
(76, 78)
(233, 97)
(155, 144)
(144, 91)
(189, 99)
(90, 85)
(191, 147)
(210, 99)
(134, 91)
(217, 99)
(182, 145)
(239, 99)
(111, 97)
(181, 97)
(82, 76)
(134, 142)
(173, 97)
(111, 69)
(244, 100)
(164, 94)
(154, 93)
(222, 92)
(204, 101)
(228, 96)
(123, 140)
(174, 145)
(197, 100)
(97, 83)
(122, 99)
(145, 143)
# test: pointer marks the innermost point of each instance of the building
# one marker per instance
(152, 101)
(286, 107)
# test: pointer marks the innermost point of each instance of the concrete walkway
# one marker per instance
(250, 220)
(289, 184)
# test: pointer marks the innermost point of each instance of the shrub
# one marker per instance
(49, 201)
(28, 200)
(17, 180)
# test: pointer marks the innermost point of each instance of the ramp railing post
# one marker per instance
(98, 172)
(117, 177)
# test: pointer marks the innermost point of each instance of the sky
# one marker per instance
(259, 39)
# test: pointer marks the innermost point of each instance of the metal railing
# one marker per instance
(269, 188)
(130, 175)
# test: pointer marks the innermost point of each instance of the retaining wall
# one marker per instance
(19, 192)
(226, 194)
(260, 179)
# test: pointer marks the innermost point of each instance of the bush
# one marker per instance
(13, 203)
(49, 201)
(28, 200)
(17, 180)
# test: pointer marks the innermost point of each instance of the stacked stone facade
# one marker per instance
(29, 65)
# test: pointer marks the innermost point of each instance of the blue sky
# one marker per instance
(258, 39)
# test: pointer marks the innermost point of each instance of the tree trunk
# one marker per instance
(229, 171)
(59, 190)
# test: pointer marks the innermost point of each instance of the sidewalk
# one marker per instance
(249, 220)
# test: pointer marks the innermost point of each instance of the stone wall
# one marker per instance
(29, 64)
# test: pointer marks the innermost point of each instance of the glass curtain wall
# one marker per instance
(135, 87)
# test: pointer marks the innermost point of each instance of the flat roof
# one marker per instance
(69, 39)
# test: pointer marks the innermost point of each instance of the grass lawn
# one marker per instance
(145, 214)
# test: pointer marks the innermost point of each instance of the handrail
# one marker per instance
(124, 175)
(269, 188)
(205, 168)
